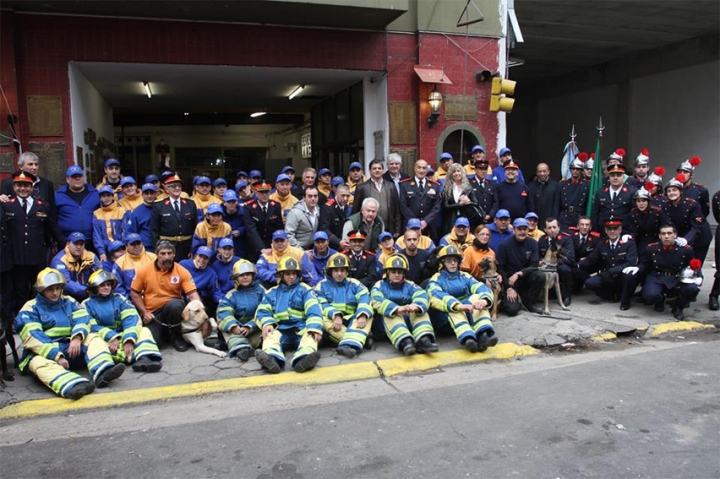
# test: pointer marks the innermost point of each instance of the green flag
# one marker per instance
(595, 180)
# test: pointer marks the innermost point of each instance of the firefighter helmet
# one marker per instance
(49, 277)
(242, 266)
(396, 261)
(99, 277)
(338, 260)
(449, 252)
(288, 263)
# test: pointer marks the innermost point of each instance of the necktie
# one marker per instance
(612, 196)
(582, 241)
(612, 246)
(22, 205)
(176, 204)
(264, 208)
(422, 184)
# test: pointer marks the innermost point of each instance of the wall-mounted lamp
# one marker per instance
(148, 92)
(435, 99)
(296, 92)
(257, 114)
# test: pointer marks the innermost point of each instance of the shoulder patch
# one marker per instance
(433, 181)
(330, 202)
(371, 253)
(564, 233)
(249, 202)
(595, 234)
(653, 244)
(273, 203)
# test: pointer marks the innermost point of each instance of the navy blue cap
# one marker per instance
(287, 168)
(478, 148)
(202, 180)
(151, 178)
(205, 251)
(384, 235)
(255, 174)
(215, 208)
(337, 181)
(356, 164)
(279, 234)
(520, 222)
(414, 223)
(241, 184)
(324, 171)
(532, 215)
(230, 195)
(225, 242)
(502, 214)
(462, 221)
(282, 177)
(111, 162)
(128, 180)
(106, 189)
(320, 235)
(446, 156)
(114, 246)
(149, 187)
(241, 173)
(76, 236)
(504, 151)
(74, 170)
(219, 181)
(133, 238)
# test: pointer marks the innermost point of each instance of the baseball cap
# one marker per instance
(356, 164)
(255, 174)
(128, 180)
(230, 195)
(414, 223)
(520, 223)
(502, 214)
(148, 187)
(106, 189)
(220, 181)
(324, 171)
(320, 235)
(151, 178)
(287, 168)
(446, 156)
(75, 237)
(430, 170)
(532, 215)
(132, 238)
(241, 173)
(111, 162)
(279, 234)
(384, 235)
(114, 246)
(225, 242)
(215, 208)
(202, 180)
(205, 251)
(74, 170)
(282, 177)
(337, 180)
(462, 221)
(477, 148)
(241, 184)
(504, 151)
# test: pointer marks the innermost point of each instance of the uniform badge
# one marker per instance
(524, 193)
(412, 183)
(174, 279)
(432, 192)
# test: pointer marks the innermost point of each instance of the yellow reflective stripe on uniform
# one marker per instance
(58, 332)
(45, 349)
(29, 328)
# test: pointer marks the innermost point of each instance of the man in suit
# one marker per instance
(42, 188)
(485, 190)
(385, 193)
(263, 216)
(174, 218)
(393, 173)
(545, 192)
(420, 198)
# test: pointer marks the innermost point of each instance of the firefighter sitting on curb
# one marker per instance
(462, 301)
(290, 317)
(403, 305)
(55, 332)
(345, 302)
(236, 311)
(114, 318)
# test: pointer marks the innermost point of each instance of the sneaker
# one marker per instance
(347, 351)
(307, 363)
(427, 345)
(109, 375)
(80, 390)
(267, 362)
(147, 365)
(471, 345)
(407, 347)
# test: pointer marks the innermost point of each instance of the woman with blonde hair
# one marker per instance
(459, 199)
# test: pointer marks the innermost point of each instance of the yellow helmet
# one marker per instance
(241, 267)
(49, 277)
(450, 251)
(396, 261)
(99, 277)
(338, 260)
(288, 263)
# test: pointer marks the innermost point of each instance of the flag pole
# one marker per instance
(596, 179)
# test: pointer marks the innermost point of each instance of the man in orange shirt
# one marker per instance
(157, 291)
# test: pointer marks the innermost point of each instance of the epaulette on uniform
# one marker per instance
(405, 180)
(434, 182)
(372, 253)
(249, 202)
(565, 233)
(330, 202)
(653, 244)
(273, 202)
(595, 234)
(656, 208)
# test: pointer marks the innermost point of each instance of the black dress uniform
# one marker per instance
(583, 247)
(690, 224)
(609, 262)
(545, 197)
(332, 220)
(700, 194)
(421, 198)
(486, 194)
(715, 290)
(363, 267)
(662, 266)
(260, 223)
(565, 265)
(178, 228)
(629, 181)
(645, 227)
(604, 208)
(30, 233)
(572, 199)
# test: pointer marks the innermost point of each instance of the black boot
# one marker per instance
(714, 306)
(80, 390)
(177, 340)
(407, 347)
(347, 351)
(307, 363)
(427, 344)
(109, 375)
(268, 362)
(471, 345)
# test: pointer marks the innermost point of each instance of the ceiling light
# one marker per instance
(147, 89)
(296, 92)
(257, 114)
(187, 113)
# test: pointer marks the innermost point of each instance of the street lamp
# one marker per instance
(435, 99)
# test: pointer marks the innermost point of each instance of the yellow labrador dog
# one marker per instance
(194, 329)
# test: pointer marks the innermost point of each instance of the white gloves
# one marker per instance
(625, 238)
(699, 281)
(631, 270)
(680, 242)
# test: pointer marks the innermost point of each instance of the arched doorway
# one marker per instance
(458, 140)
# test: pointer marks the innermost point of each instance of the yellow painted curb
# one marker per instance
(679, 326)
(424, 362)
(607, 336)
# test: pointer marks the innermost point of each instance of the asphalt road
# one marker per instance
(652, 410)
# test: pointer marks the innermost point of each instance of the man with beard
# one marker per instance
(157, 291)
(416, 257)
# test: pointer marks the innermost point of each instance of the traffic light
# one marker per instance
(498, 99)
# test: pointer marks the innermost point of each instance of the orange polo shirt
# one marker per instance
(157, 287)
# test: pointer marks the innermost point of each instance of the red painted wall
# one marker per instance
(8, 77)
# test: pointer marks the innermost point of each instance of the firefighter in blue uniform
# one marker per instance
(55, 332)
(347, 312)
(566, 262)
(692, 190)
(290, 317)
(665, 266)
(235, 217)
(615, 261)
(114, 318)
(645, 222)
(462, 301)
(613, 201)
(236, 312)
(137, 221)
(403, 306)
(573, 195)
(420, 197)
(363, 263)
(485, 189)
(263, 216)
(76, 263)
(685, 213)
(513, 195)
(174, 218)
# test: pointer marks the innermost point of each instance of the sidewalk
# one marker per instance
(193, 373)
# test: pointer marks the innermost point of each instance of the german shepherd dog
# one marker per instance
(548, 265)
(490, 277)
